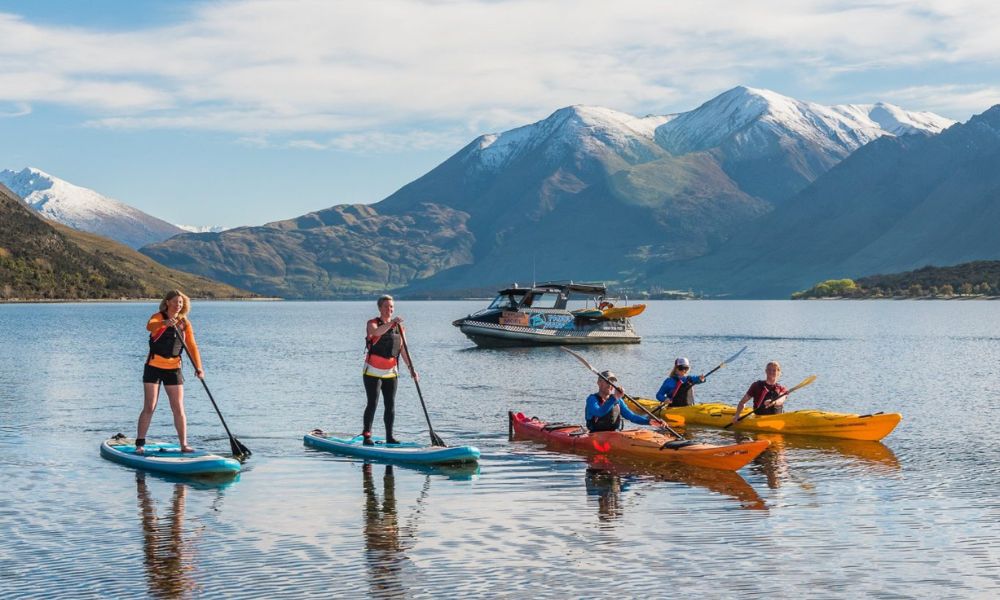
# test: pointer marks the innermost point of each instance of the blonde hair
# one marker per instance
(185, 309)
(773, 362)
(383, 299)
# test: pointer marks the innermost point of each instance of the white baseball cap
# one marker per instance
(682, 362)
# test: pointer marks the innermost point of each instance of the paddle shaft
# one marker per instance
(705, 376)
(802, 384)
(235, 445)
(435, 439)
(619, 388)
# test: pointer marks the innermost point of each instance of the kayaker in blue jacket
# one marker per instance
(678, 387)
(606, 408)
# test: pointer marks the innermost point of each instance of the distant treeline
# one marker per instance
(978, 278)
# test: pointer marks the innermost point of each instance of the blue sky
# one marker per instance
(243, 112)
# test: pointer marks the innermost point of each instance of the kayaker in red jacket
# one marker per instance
(768, 395)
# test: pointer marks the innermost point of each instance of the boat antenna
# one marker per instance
(533, 282)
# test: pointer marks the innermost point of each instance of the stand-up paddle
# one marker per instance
(802, 384)
(435, 440)
(617, 387)
(240, 451)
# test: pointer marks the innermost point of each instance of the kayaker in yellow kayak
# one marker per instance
(678, 387)
(606, 408)
(767, 394)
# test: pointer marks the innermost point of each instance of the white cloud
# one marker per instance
(968, 99)
(375, 72)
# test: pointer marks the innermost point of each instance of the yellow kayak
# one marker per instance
(623, 312)
(801, 422)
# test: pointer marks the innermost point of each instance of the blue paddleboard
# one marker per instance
(167, 458)
(406, 452)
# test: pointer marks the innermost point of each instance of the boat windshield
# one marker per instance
(545, 300)
(504, 301)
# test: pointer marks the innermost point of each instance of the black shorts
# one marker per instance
(151, 374)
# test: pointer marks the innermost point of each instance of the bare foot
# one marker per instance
(186, 448)
(140, 450)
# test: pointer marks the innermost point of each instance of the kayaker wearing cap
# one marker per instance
(678, 387)
(605, 412)
(767, 394)
(384, 343)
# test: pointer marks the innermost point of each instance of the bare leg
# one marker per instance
(176, 395)
(151, 393)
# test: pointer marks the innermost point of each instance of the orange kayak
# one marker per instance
(623, 312)
(637, 443)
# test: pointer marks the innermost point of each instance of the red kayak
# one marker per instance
(638, 443)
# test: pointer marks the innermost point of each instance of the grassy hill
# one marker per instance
(41, 260)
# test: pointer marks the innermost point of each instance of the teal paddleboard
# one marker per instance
(167, 458)
(405, 452)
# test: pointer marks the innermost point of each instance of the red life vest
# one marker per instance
(383, 352)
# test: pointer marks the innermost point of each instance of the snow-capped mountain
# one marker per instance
(85, 209)
(774, 146)
(570, 130)
(203, 228)
(754, 117)
(588, 193)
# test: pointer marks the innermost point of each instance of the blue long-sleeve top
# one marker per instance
(670, 384)
(596, 410)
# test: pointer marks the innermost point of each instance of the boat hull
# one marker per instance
(495, 335)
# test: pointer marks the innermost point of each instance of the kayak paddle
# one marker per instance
(435, 439)
(722, 364)
(802, 384)
(727, 361)
(240, 451)
(617, 387)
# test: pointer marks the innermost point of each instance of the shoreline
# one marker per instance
(125, 300)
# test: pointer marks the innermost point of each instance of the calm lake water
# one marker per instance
(916, 516)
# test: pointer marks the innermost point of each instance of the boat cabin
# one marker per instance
(545, 295)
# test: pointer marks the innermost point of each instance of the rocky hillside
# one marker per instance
(42, 260)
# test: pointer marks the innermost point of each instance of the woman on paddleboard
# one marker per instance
(678, 387)
(163, 365)
(767, 394)
(384, 341)
(606, 408)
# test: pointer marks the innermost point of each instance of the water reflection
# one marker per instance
(843, 456)
(167, 551)
(386, 542)
(606, 479)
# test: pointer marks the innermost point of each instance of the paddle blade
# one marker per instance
(735, 356)
(802, 384)
(579, 358)
(437, 441)
(240, 451)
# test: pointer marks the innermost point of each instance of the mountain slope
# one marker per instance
(85, 209)
(341, 251)
(894, 205)
(43, 260)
